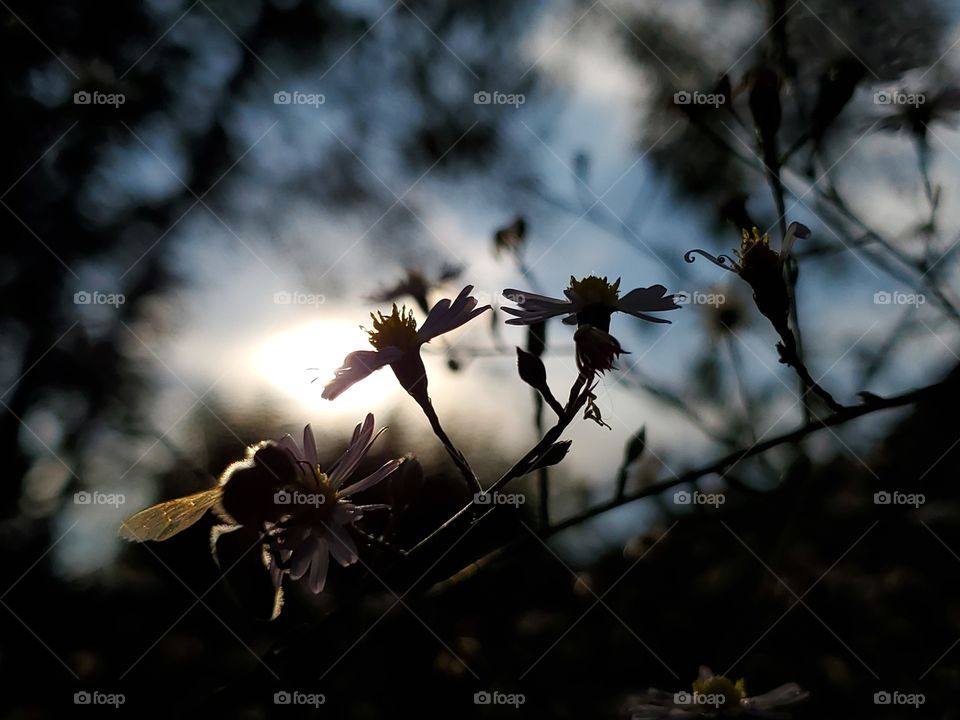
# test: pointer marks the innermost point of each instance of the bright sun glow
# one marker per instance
(290, 360)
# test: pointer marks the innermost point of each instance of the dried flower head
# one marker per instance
(762, 268)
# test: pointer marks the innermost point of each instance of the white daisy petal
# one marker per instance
(342, 546)
(650, 299)
(354, 454)
(310, 447)
(372, 479)
(535, 308)
(434, 319)
(356, 366)
(318, 567)
(290, 445)
(302, 557)
(650, 318)
(446, 316)
(796, 230)
(533, 301)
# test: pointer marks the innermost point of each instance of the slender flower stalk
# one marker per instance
(580, 394)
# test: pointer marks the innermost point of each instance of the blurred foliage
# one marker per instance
(520, 620)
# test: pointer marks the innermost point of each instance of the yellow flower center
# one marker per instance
(727, 693)
(398, 329)
(593, 290)
(755, 251)
(311, 503)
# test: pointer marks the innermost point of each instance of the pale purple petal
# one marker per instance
(344, 513)
(532, 300)
(353, 440)
(796, 230)
(290, 445)
(446, 316)
(533, 318)
(650, 318)
(651, 299)
(318, 567)
(302, 557)
(356, 366)
(535, 308)
(310, 447)
(360, 509)
(354, 454)
(372, 479)
(342, 546)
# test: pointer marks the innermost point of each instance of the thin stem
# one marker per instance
(579, 394)
(543, 475)
(792, 270)
(789, 356)
(923, 163)
(458, 457)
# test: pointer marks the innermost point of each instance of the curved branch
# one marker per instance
(729, 461)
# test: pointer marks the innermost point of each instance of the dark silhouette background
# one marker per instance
(94, 197)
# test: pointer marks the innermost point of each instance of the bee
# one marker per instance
(243, 500)
(243, 496)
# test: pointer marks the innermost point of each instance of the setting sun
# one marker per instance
(298, 362)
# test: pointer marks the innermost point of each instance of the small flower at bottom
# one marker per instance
(715, 696)
(397, 341)
(279, 496)
(318, 512)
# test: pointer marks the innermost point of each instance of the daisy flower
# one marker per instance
(397, 342)
(318, 512)
(714, 696)
(590, 301)
(280, 497)
(590, 304)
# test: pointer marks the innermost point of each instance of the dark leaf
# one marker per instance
(636, 446)
(531, 369)
(557, 452)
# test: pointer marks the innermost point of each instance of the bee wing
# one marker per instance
(165, 520)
